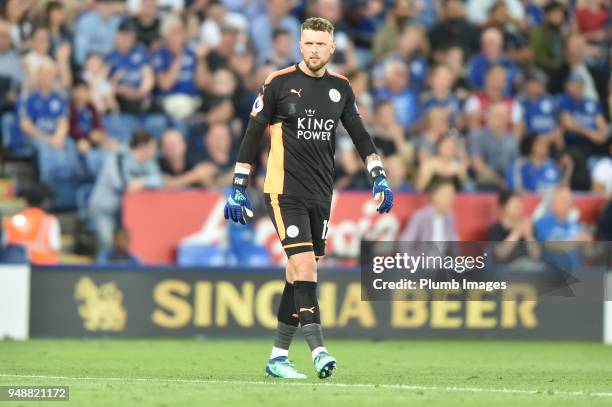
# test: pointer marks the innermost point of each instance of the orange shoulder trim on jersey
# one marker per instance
(337, 75)
(274, 74)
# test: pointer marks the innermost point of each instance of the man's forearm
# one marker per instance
(484, 171)
(148, 81)
(202, 75)
(505, 248)
(62, 129)
(168, 79)
(28, 127)
(571, 125)
(361, 138)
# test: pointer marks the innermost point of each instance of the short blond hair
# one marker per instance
(169, 23)
(318, 24)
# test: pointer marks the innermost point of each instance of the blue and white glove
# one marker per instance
(238, 207)
(380, 191)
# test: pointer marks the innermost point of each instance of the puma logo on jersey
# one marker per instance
(311, 309)
(297, 92)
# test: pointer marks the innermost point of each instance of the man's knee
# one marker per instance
(304, 266)
(290, 274)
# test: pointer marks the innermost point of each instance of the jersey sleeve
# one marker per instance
(145, 57)
(542, 229)
(64, 111)
(511, 172)
(350, 111)
(264, 105)
(565, 105)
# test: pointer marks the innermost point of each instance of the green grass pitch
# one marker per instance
(186, 372)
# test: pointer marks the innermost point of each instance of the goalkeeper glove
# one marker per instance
(238, 207)
(381, 191)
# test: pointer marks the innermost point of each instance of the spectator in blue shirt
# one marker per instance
(442, 96)
(369, 18)
(492, 42)
(581, 117)
(585, 130)
(181, 72)
(95, 30)
(540, 110)
(405, 101)
(557, 224)
(130, 70)
(534, 13)
(412, 48)
(43, 115)
(536, 172)
(561, 232)
(43, 118)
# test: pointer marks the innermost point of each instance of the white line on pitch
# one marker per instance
(295, 383)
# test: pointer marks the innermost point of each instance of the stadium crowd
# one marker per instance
(111, 96)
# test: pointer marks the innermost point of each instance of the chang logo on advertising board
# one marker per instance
(100, 307)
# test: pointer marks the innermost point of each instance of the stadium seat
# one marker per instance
(200, 255)
(254, 256)
(242, 248)
(13, 254)
(12, 138)
(122, 126)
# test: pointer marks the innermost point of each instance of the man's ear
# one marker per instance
(333, 47)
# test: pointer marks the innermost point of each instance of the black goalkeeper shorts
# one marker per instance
(301, 223)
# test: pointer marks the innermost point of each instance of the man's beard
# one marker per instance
(316, 67)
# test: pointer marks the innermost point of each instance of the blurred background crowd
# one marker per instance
(102, 97)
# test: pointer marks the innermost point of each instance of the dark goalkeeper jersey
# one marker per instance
(303, 114)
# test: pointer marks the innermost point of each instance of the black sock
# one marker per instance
(287, 313)
(306, 303)
(308, 309)
(288, 319)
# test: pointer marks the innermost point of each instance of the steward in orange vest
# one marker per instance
(35, 229)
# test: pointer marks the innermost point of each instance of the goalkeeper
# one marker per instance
(302, 105)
